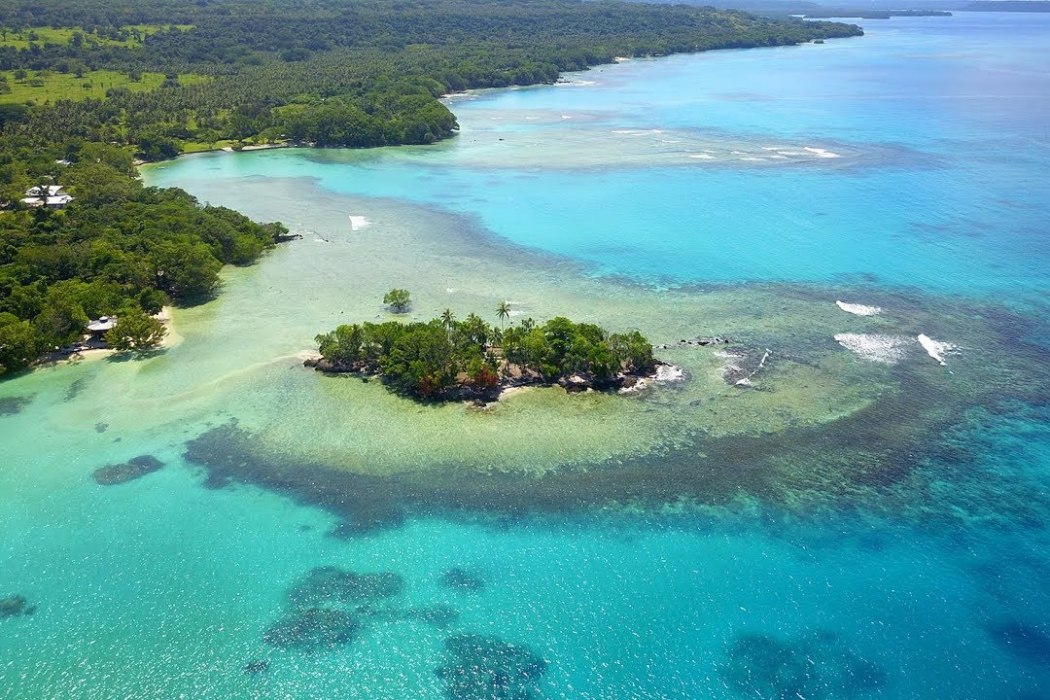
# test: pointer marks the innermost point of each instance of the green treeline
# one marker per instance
(118, 249)
(365, 73)
(446, 358)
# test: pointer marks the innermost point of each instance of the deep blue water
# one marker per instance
(936, 587)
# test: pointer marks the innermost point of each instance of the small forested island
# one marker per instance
(450, 360)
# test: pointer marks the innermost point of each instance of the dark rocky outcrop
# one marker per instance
(134, 468)
(573, 383)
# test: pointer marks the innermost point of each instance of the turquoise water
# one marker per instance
(928, 585)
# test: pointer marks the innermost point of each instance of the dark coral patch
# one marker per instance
(460, 579)
(76, 388)
(15, 606)
(440, 616)
(134, 468)
(814, 666)
(485, 668)
(256, 666)
(330, 584)
(1027, 642)
(10, 405)
(312, 630)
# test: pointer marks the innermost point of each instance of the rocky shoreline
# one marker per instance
(511, 378)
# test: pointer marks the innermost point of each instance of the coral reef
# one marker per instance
(10, 405)
(815, 666)
(440, 616)
(1027, 642)
(486, 668)
(134, 468)
(460, 579)
(312, 630)
(256, 666)
(330, 584)
(14, 606)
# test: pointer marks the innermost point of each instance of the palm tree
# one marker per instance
(448, 320)
(503, 311)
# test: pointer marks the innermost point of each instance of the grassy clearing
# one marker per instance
(200, 147)
(130, 36)
(43, 87)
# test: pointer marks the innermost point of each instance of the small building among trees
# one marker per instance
(99, 327)
(51, 196)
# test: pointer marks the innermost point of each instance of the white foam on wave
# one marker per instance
(935, 349)
(875, 347)
(752, 159)
(859, 309)
(669, 373)
(665, 374)
(821, 152)
(358, 222)
(702, 156)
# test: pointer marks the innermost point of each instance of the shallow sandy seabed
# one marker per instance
(816, 419)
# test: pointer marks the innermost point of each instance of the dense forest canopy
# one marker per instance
(451, 359)
(363, 73)
(118, 249)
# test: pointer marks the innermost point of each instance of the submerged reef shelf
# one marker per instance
(817, 424)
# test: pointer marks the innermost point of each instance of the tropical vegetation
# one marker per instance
(328, 72)
(118, 249)
(86, 86)
(398, 300)
(447, 359)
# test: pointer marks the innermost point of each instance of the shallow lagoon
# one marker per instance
(844, 528)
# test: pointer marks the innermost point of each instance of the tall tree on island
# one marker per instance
(503, 311)
(398, 300)
(448, 320)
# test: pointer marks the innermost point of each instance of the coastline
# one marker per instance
(90, 354)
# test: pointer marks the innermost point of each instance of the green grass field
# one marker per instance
(134, 35)
(50, 86)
